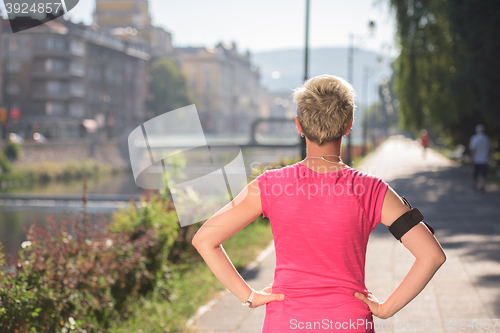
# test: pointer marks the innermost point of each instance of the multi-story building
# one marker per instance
(130, 20)
(122, 13)
(225, 86)
(61, 74)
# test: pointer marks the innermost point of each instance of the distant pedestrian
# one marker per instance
(480, 148)
(424, 139)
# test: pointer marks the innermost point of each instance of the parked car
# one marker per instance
(13, 137)
(39, 138)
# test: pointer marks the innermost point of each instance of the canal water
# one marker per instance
(16, 214)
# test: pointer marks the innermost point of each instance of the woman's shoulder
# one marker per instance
(366, 177)
(284, 172)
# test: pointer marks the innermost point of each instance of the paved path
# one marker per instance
(467, 224)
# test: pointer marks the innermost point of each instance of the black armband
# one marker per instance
(407, 221)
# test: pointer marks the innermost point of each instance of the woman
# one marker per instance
(424, 140)
(321, 213)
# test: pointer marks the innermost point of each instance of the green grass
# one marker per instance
(194, 285)
(47, 171)
(357, 160)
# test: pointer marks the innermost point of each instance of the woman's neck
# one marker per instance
(319, 165)
(329, 148)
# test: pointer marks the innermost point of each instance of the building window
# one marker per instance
(76, 68)
(55, 43)
(77, 110)
(14, 66)
(77, 48)
(14, 88)
(50, 43)
(77, 89)
(54, 108)
(54, 65)
(108, 75)
(54, 87)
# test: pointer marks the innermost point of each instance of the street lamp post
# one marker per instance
(350, 59)
(303, 146)
(366, 106)
(350, 73)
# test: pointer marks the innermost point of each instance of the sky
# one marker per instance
(267, 25)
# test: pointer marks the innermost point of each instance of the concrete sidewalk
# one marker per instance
(467, 224)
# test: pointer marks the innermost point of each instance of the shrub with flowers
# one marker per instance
(80, 275)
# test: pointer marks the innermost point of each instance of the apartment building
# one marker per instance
(130, 20)
(60, 74)
(225, 86)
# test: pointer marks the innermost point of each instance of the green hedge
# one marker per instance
(47, 171)
(13, 150)
(5, 165)
(81, 275)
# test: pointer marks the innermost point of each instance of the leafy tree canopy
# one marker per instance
(447, 73)
(168, 87)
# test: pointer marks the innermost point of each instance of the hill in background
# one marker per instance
(290, 65)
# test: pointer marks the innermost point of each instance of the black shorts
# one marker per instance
(480, 170)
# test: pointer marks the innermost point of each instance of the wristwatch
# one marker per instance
(250, 299)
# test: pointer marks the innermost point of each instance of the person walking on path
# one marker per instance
(480, 147)
(321, 212)
(424, 140)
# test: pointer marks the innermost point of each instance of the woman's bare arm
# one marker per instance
(244, 209)
(429, 256)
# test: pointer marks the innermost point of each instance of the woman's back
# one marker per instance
(321, 224)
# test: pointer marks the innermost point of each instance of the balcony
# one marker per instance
(41, 74)
(52, 53)
(43, 95)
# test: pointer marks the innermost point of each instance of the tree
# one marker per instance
(447, 75)
(477, 23)
(169, 88)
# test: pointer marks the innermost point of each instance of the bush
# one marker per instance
(5, 165)
(57, 278)
(13, 150)
(155, 214)
(47, 171)
(61, 282)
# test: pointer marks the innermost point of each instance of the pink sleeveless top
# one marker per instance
(320, 224)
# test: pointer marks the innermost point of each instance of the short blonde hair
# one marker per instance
(325, 107)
